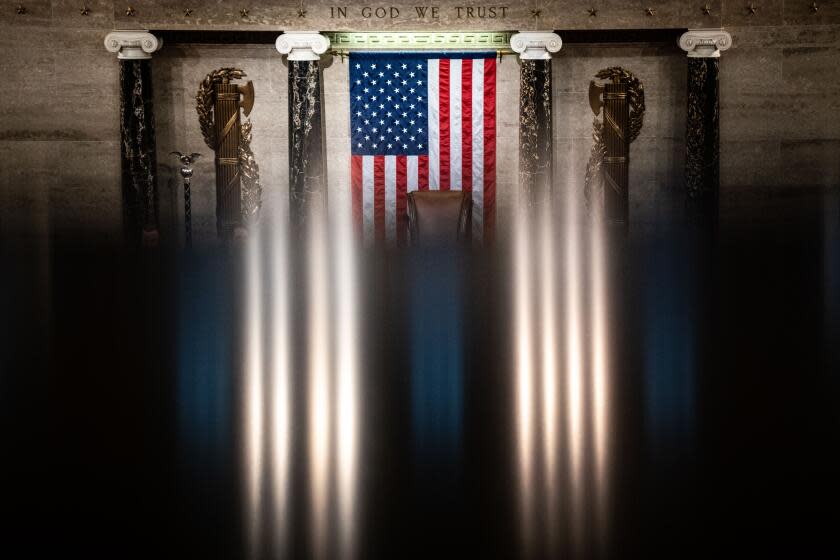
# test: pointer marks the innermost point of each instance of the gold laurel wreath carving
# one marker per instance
(594, 177)
(249, 170)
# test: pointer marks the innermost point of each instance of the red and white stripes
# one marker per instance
(461, 154)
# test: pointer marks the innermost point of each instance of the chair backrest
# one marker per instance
(436, 217)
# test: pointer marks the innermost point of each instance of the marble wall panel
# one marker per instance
(85, 197)
(27, 177)
(784, 36)
(806, 70)
(800, 13)
(67, 14)
(767, 13)
(507, 140)
(748, 164)
(751, 69)
(810, 162)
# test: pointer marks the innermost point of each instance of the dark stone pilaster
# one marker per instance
(535, 142)
(702, 143)
(137, 148)
(307, 171)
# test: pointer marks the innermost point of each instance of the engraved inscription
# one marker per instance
(425, 12)
(481, 12)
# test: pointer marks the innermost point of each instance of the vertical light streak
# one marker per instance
(524, 366)
(280, 384)
(319, 382)
(600, 373)
(574, 363)
(548, 355)
(347, 370)
(253, 391)
(548, 311)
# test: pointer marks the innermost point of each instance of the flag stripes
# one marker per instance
(461, 106)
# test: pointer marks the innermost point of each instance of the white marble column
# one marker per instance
(137, 128)
(702, 142)
(535, 50)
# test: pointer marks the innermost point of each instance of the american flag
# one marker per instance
(421, 121)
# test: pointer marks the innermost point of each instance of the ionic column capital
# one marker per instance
(535, 45)
(132, 45)
(705, 43)
(302, 45)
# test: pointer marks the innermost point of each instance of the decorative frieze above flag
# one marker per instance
(421, 121)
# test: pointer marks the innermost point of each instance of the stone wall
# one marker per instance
(59, 129)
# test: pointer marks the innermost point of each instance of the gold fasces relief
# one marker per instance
(232, 143)
(622, 102)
